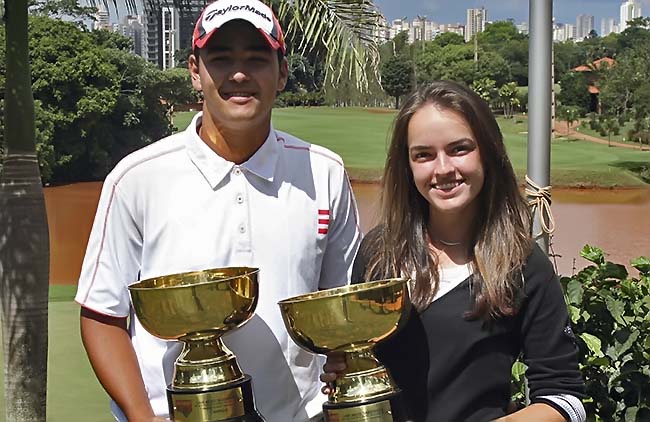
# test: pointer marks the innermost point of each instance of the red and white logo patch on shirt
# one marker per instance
(323, 221)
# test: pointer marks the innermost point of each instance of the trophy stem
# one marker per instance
(365, 379)
(205, 363)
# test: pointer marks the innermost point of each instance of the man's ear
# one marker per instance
(284, 74)
(193, 65)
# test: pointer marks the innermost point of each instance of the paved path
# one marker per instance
(561, 129)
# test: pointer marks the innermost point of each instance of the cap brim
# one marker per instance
(273, 43)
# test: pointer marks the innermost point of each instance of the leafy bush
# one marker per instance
(610, 312)
(594, 123)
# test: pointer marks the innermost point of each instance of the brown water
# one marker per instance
(616, 220)
(70, 213)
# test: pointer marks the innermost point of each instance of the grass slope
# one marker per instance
(360, 136)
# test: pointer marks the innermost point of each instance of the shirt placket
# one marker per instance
(243, 242)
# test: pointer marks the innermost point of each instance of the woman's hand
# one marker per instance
(334, 365)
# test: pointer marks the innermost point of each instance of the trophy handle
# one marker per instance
(364, 379)
(205, 362)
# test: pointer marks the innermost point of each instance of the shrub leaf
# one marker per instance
(593, 343)
(616, 308)
(593, 254)
(575, 292)
(642, 264)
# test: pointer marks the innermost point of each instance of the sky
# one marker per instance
(445, 11)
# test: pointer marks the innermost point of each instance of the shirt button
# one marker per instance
(242, 229)
(236, 171)
(240, 198)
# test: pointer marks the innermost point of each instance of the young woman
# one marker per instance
(453, 220)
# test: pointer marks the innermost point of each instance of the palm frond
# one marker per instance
(135, 6)
(131, 5)
(345, 28)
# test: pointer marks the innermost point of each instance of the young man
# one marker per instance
(228, 191)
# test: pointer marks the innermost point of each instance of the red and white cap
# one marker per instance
(258, 14)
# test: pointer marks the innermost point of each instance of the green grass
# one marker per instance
(74, 394)
(360, 136)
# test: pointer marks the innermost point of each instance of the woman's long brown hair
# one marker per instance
(501, 239)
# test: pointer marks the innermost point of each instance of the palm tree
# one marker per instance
(342, 29)
(24, 244)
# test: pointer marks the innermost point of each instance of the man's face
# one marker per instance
(239, 75)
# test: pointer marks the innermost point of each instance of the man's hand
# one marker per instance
(334, 365)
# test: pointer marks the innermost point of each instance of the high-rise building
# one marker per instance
(399, 25)
(523, 28)
(476, 20)
(169, 30)
(422, 29)
(456, 28)
(607, 26)
(133, 28)
(102, 19)
(584, 25)
(564, 32)
(630, 9)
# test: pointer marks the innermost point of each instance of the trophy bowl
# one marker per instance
(198, 308)
(352, 320)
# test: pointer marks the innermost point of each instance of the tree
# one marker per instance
(174, 88)
(485, 88)
(508, 98)
(569, 114)
(575, 91)
(504, 39)
(400, 43)
(609, 125)
(397, 77)
(621, 87)
(567, 56)
(95, 101)
(61, 8)
(456, 62)
(636, 34)
(303, 75)
(447, 38)
(24, 250)
(499, 32)
(641, 113)
(492, 65)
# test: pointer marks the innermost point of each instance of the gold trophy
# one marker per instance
(351, 320)
(197, 308)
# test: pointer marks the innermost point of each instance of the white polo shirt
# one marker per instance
(177, 206)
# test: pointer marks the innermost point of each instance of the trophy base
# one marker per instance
(231, 403)
(385, 409)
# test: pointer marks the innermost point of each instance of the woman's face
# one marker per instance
(445, 161)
